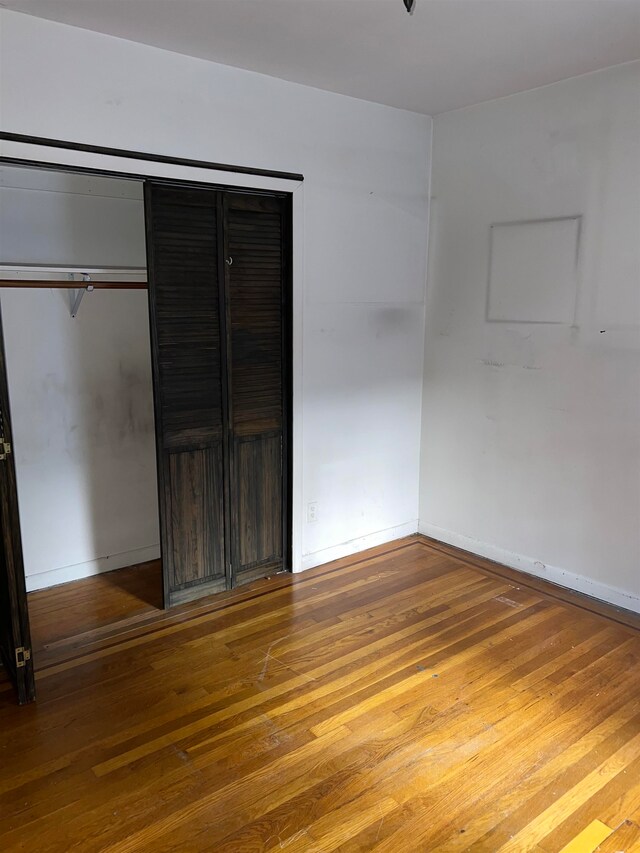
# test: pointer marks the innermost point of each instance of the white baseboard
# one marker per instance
(64, 574)
(353, 546)
(553, 574)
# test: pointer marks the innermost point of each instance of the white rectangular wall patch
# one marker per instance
(533, 271)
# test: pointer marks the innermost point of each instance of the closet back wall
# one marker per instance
(357, 406)
(80, 388)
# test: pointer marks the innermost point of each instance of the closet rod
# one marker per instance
(73, 285)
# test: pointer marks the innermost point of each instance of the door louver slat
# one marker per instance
(183, 248)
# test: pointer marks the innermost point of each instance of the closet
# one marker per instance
(219, 293)
(218, 307)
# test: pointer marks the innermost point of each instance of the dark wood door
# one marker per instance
(255, 233)
(15, 637)
(183, 238)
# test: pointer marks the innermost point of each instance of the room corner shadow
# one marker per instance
(141, 582)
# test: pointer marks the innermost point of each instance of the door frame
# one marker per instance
(58, 155)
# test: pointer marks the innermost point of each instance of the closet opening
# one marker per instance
(75, 321)
(145, 399)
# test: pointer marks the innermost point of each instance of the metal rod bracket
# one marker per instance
(76, 294)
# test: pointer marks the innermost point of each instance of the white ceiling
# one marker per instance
(448, 54)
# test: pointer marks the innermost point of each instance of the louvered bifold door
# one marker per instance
(188, 368)
(254, 228)
(15, 642)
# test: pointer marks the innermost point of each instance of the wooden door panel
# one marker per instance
(15, 636)
(258, 490)
(255, 304)
(220, 344)
(189, 386)
(256, 321)
(187, 314)
(196, 479)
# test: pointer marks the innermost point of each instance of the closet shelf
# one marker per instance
(124, 278)
(77, 280)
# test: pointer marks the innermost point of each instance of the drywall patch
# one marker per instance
(533, 271)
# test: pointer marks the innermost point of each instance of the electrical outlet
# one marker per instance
(312, 512)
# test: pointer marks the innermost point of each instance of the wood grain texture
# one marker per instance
(14, 616)
(258, 493)
(589, 839)
(397, 700)
(625, 838)
(258, 334)
(186, 336)
(72, 611)
(220, 331)
(185, 317)
(197, 518)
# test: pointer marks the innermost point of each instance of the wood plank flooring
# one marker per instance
(406, 699)
(73, 610)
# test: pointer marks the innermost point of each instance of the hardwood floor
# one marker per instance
(71, 614)
(406, 699)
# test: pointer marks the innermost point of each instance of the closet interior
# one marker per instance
(147, 361)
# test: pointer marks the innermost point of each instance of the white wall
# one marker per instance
(80, 388)
(83, 422)
(365, 218)
(57, 218)
(531, 432)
